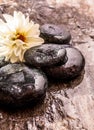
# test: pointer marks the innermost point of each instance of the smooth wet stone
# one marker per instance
(45, 55)
(55, 34)
(72, 68)
(20, 85)
(2, 61)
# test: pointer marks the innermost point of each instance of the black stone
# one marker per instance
(3, 62)
(72, 68)
(45, 55)
(55, 34)
(20, 85)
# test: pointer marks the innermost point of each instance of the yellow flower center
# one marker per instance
(19, 36)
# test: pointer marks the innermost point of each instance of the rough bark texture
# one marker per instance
(67, 106)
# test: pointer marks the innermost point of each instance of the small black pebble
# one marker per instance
(55, 34)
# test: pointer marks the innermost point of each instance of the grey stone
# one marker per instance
(55, 34)
(72, 68)
(45, 55)
(20, 85)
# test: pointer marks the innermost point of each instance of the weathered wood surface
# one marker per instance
(67, 106)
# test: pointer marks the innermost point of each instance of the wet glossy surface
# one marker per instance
(72, 68)
(45, 55)
(20, 85)
(55, 34)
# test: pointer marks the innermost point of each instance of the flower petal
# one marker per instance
(17, 35)
(33, 31)
(3, 51)
(8, 18)
(34, 41)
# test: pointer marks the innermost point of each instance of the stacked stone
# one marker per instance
(26, 83)
(57, 57)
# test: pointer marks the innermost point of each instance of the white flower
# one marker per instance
(17, 34)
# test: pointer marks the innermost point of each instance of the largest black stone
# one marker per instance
(20, 85)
